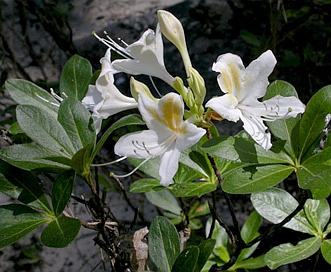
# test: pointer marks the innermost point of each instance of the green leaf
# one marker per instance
(313, 120)
(81, 161)
(287, 253)
(221, 237)
(44, 129)
(76, 121)
(23, 186)
(315, 171)
(165, 200)
(275, 204)
(144, 185)
(16, 221)
(244, 150)
(326, 250)
(186, 260)
(202, 160)
(250, 263)
(61, 191)
(205, 250)
(317, 213)
(163, 243)
(75, 77)
(191, 189)
(132, 119)
(250, 229)
(248, 232)
(33, 157)
(186, 174)
(26, 93)
(253, 178)
(60, 232)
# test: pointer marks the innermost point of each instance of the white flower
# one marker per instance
(144, 56)
(167, 137)
(103, 98)
(243, 87)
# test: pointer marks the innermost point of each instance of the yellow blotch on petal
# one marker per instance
(231, 78)
(169, 113)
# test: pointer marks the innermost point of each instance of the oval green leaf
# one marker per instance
(44, 129)
(163, 244)
(60, 232)
(75, 78)
(187, 260)
(76, 121)
(313, 120)
(288, 253)
(61, 191)
(254, 178)
(16, 221)
(275, 204)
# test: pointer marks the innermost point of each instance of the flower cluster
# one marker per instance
(177, 120)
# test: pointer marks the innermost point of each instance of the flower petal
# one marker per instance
(163, 115)
(280, 107)
(259, 132)
(147, 57)
(168, 166)
(225, 106)
(232, 72)
(256, 77)
(143, 144)
(192, 135)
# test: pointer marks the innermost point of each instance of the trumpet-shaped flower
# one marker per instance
(167, 137)
(243, 87)
(144, 56)
(104, 99)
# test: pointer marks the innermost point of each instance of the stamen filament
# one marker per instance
(45, 100)
(109, 163)
(134, 170)
(57, 97)
(113, 45)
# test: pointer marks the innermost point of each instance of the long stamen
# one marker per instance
(109, 163)
(134, 170)
(57, 97)
(154, 85)
(45, 100)
(113, 45)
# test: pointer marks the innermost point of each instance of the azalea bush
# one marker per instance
(171, 136)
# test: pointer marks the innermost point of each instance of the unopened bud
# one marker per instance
(137, 87)
(173, 30)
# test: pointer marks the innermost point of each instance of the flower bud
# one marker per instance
(137, 87)
(197, 85)
(173, 30)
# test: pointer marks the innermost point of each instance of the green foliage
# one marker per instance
(16, 221)
(60, 232)
(75, 78)
(163, 242)
(275, 205)
(222, 249)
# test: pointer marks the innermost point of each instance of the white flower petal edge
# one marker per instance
(146, 57)
(167, 137)
(104, 99)
(243, 87)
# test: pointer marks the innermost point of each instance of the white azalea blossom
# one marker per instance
(144, 56)
(167, 137)
(104, 99)
(243, 87)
